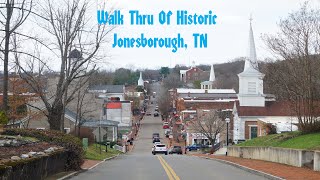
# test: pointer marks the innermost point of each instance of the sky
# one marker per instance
(227, 39)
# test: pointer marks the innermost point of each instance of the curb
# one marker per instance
(253, 171)
(106, 159)
(84, 170)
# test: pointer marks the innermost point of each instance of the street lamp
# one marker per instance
(227, 121)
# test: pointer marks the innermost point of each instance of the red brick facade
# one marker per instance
(196, 74)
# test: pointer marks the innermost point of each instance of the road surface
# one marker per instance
(140, 164)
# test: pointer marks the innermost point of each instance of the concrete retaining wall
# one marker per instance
(293, 157)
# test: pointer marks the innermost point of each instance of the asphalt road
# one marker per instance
(140, 164)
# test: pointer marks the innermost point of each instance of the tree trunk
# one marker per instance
(54, 118)
(6, 58)
(79, 127)
(212, 141)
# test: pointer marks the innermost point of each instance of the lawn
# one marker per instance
(294, 140)
(93, 152)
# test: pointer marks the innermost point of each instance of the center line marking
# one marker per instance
(170, 172)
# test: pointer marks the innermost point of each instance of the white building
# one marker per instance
(251, 111)
(108, 91)
(255, 108)
(119, 111)
(251, 80)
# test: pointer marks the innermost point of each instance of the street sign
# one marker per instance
(96, 134)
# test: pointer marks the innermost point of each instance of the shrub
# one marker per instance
(72, 144)
(3, 118)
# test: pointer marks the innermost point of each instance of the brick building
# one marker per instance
(193, 74)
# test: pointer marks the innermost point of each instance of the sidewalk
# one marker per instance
(276, 169)
(87, 164)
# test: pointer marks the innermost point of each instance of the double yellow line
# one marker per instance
(171, 174)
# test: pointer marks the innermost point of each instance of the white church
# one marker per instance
(251, 109)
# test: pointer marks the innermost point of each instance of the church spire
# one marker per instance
(140, 81)
(212, 75)
(251, 64)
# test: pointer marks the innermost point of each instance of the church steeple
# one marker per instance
(251, 64)
(251, 80)
(212, 75)
(140, 81)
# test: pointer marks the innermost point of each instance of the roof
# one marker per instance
(189, 111)
(272, 108)
(183, 71)
(108, 88)
(208, 101)
(206, 83)
(206, 91)
(90, 122)
(203, 96)
(96, 123)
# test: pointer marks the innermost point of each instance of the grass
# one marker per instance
(294, 140)
(93, 152)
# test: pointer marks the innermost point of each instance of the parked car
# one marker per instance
(155, 135)
(165, 125)
(167, 132)
(195, 147)
(159, 148)
(175, 150)
(155, 143)
(155, 114)
(156, 139)
(148, 114)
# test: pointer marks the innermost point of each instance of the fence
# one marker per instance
(34, 168)
(120, 148)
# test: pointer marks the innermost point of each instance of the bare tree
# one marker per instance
(296, 76)
(209, 124)
(172, 81)
(164, 102)
(12, 15)
(75, 44)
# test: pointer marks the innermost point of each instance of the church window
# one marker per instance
(252, 88)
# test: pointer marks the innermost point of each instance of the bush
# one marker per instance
(72, 144)
(3, 118)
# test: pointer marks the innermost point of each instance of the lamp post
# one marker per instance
(227, 121)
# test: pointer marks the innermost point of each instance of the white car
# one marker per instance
(159, 148)
(155, 143)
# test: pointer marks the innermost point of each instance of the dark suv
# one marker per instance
(155, 135)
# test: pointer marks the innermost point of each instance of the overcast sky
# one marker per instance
(227, 39)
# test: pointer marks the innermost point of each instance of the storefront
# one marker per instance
(199, 138)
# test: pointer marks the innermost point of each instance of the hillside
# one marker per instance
(294, 140)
